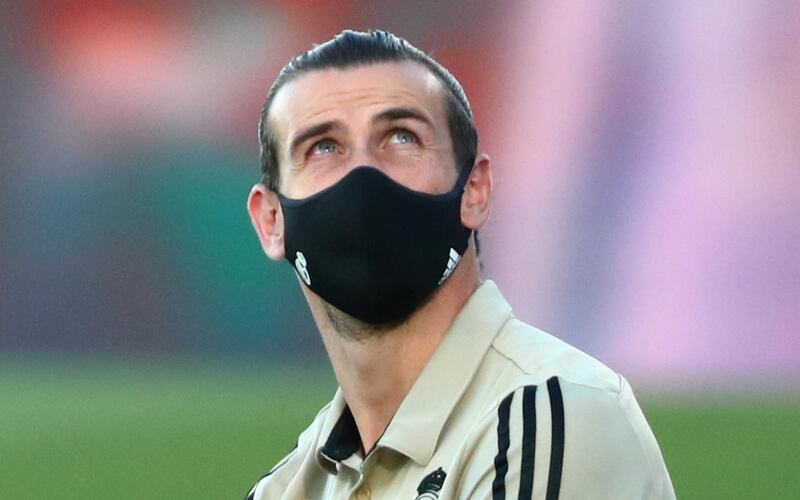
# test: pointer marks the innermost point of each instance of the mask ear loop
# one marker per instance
(463, 176)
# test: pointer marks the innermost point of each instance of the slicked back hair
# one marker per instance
(351, 49)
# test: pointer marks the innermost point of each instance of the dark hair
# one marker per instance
(355, 48)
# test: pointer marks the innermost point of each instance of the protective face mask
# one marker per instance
(374, 248)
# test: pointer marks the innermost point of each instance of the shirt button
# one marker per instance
(363, 493)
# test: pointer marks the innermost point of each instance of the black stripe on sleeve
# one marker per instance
(528, 442)
(557, 446)
(501, 459)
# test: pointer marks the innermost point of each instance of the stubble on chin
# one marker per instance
(354, 329)
(346, 327)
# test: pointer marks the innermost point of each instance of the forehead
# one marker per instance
(319, 94)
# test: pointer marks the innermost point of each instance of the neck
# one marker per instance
(376, 368)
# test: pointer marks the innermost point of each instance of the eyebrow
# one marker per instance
(312, 131)
(391, 114)
(399, 113)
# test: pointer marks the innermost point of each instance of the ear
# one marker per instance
(476, 201)
(267, 218)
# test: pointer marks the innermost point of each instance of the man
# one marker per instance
(373, 190)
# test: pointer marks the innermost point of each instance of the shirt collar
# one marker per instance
(339, 435)
(414, 431)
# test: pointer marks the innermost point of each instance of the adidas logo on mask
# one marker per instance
(451, 265)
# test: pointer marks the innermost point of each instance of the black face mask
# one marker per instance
(372, 247)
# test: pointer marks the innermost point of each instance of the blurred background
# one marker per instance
(647, 168)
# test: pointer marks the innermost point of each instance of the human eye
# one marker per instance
(325, 146)
(402, 136)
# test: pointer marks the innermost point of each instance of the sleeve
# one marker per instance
(275, 482)
(565, 441)
(251, 495)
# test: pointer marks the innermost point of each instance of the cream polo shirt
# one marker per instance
(501, 410)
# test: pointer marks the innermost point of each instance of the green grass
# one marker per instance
(145, 431)
(148, 432)
(730, 448)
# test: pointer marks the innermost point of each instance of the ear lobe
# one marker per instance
(476, 201)
(266, 216)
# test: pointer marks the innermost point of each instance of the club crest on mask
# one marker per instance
(300, 264)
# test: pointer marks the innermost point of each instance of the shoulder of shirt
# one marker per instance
(593, 394)
(589, 395)
(533, 356)
(522, 355)
(287, 467)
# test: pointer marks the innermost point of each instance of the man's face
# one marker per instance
(387, 115)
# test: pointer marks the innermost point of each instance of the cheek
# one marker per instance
(313, 179)
(443, 174)
(428, 177)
